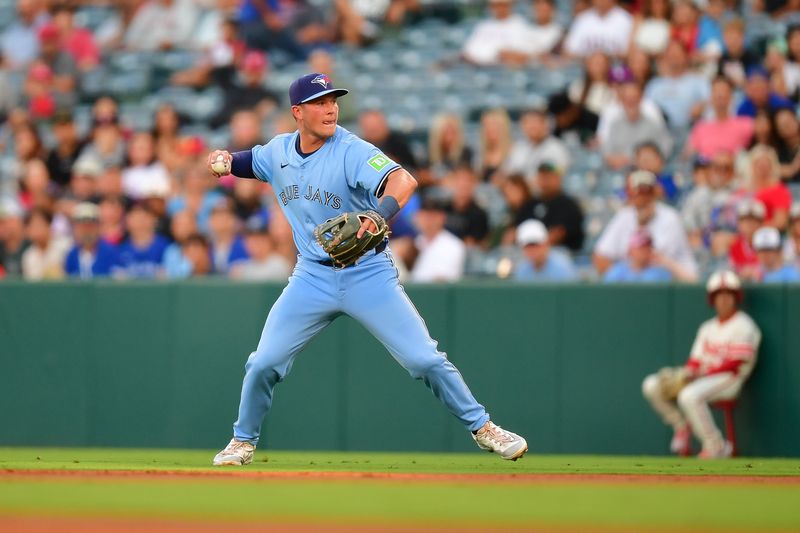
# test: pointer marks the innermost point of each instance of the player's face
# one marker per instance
(319, 116)
(724, 303)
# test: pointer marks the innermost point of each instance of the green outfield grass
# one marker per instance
(755, 505)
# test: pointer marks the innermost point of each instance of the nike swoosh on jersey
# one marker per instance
(284, 165)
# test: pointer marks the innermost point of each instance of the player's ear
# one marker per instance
(297, 112)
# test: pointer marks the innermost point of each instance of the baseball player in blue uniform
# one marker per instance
(318, 172)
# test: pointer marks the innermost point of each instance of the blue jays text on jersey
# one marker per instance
(345, 174)
(312, 194)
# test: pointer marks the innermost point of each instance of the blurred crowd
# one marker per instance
(686, 110)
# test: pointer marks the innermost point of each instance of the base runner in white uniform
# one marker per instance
(722, 357)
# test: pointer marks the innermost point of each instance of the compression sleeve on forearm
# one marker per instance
(242, 164)
(389, 207)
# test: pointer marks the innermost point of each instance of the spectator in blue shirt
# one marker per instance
(91, 257)
(642, 263)
(767, 244)
(648, 156)
(759, 96)
(176, 264)
(196, 250)
(227, 245)
(197, 193)
(709, 30)
(680, 93)
(265, 26)
(141, 256)
(541, 263)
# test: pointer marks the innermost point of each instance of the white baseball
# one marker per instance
(220, 166)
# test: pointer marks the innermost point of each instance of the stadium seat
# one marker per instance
(727, 407)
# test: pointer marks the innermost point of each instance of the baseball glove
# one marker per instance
(337, 236)
(672, 381)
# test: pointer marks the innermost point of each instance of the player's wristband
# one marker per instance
(242, 164)
(389, 207)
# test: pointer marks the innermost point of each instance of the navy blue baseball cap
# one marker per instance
(312, 86)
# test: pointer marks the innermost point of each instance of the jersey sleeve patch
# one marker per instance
(379, 162)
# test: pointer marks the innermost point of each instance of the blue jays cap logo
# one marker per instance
(312, 86)
(322, 80)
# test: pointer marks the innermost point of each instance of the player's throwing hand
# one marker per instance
(219, 163)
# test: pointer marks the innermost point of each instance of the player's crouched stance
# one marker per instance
(722, 356)
(337, 191)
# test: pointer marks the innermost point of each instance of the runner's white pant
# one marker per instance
(692, 404)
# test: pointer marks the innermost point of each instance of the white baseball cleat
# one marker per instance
(493, 438)
(236, 453)
(721, 452)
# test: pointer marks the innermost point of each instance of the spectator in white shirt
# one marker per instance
(264, 263)
(543, 36)
(441, 254)
(44, 258)
(632, 130)
(605, 27)
(145, 172)
(619, 76)
(504, 32)
(645, 211)
(538, 146)
(546, 33)
(162, 25)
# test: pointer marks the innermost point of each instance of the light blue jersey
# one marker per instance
(345, 174)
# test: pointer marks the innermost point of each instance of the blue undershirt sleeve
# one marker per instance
(242, 165)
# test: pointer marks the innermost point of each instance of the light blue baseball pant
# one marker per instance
(370, 293)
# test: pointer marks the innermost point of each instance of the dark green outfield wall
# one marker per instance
(112, 364)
